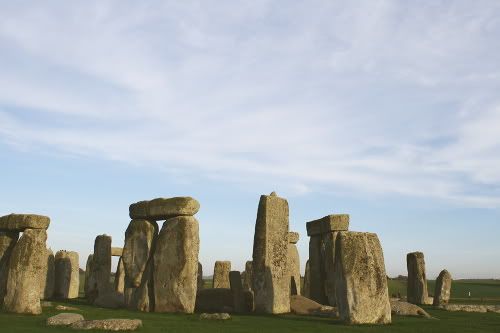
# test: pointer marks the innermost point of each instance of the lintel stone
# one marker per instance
(329, 223)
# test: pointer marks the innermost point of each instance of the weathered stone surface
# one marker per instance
(120, 277)
(294, 263)
(442, 290)
(248, 276)
(407, 309)
(221, 274)
(417, 282)
(317, 271)
(329, 240)
(26, 265)
(110, 299)
(237, 291)
(90, 286)
(67, 275)
(164, 208)
(307, 281)
(215, 316)
(329, 223)
(64, 319)
(20, 222)
(304, 306)
(65, 308)
(8, 240)
(465, 308)
(139, 239)
(116, 251)
(199, 281)
(176, 265)
(271, 284)
(361, 280)
(214, 300)
(101, 263)
(47, 280)
(108, 324)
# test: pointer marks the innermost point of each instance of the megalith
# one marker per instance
(237, 291)
(120, 277)
(294, 263)
(164, 208)
(271, 277)
(442, 290)
(47, 280)
(248, 276)
(90, 284)
(417, 282)
(101, 264)
(360, 279)
(26, 265)
(323, 233)
(176, 265)
(221, 274)
(67, 275)
(200, 276)
(8, 240)
(307, 281)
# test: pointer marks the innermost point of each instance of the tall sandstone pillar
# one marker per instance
(221, 274)
(120, 277)
(360, 279)
(8, 240)
(47, 281)
(101, 263)
(294, 263)
(323, 234)
(271, 277)
(248, 276)
(442, 291)
(417, 282)
(67, 275)
(307, 281)
(199, 281)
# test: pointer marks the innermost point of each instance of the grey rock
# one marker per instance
(215, 316)
(417, 282)
(64, 319)
(221, 274)
(8, 240)
(307, 281)
(20, 222)
(442, 290)
(294, 263)
(214, 300)
(120, 277)
(101, 264)
(47, 280)
(200, 277)
(108, 325)
(248, 276)
(407, 309)
(67, 275)
(164, 208)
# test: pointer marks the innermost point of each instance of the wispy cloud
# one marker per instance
(377, 97)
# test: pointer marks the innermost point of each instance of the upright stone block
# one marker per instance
(120, 277)
(176, 265)
(47, 281)
(200, 276)
(307, 281)
(26, 265)
(8, 240)
(294, 263)
(248, 276)
(417, 282)
(271, 284)
(90, 285)
(67, 275)
(101, 263)
(442, 291)
(361, 280)
(221, 274)
(237, 291)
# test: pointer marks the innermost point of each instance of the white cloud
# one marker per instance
(377, 97)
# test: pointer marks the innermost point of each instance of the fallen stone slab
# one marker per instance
(65, 308)
(465, 308)
(64, 319)
(304, 306)
(407, 309)
(20, 222)
(108, 324)
(494, 308)
(215, 316)
(164, 208)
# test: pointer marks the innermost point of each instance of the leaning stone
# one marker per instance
(176, 265)
(442, 291)
(67, 275)
(164, 208)
(407, 309)
(101, 263)
(294, 263)
(20, 222)
(199, 281)
(307, 281)
(417, 283)
(139, 239)
(215, 316)
(25, 268)
(329, 223)
(64, 319)
(361, 280)
(248, 276)
(47, 280)
(8, 240)
(271, 283)
(221, 274)
(120, 277)
(214, 300)
(116, 251)
(108, 325)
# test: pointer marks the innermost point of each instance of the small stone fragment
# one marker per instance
(215, 316)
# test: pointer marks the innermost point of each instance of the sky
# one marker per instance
(385, 110)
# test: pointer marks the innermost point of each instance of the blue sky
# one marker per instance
(386, 110)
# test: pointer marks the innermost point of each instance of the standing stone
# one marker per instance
(307, 281)
(417, 283)
(120, 277)
(271, 281)
(176, 265)
(101, 263)
(361, 280)
(323, 233)
(47, 281)
(237, 292)
(221, 274)
(443, 288)
(26, 265)
(200, 277)
(67, 275)
(294, 263)
(90, 285)
(8, 240)
(248, 276)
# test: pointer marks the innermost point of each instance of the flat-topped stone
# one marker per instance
(108, 324)
(293, 237)
(329, 223)
(116, 251)
(164, 208)
(20, 222)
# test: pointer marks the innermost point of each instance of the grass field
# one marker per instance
(485, 291)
